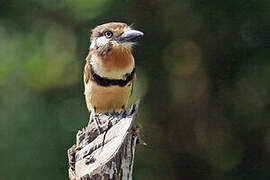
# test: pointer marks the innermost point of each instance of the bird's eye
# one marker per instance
(108, 34)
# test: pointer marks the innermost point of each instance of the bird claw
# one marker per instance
(123, 113)
(112, 114)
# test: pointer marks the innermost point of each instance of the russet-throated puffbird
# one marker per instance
(109, 71)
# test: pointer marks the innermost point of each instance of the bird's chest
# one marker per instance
(106, 98)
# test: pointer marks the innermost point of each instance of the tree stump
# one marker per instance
(105, 149)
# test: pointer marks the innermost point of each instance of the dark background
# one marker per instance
(203, 74)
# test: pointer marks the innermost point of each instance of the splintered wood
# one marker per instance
(105, 149)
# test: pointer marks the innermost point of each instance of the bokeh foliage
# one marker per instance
(203, 76)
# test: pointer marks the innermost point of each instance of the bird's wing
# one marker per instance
(87, 69)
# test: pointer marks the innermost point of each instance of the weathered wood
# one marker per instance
(105, 149)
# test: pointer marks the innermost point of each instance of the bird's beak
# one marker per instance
(130, 36)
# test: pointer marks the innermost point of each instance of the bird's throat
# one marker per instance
(114, 64)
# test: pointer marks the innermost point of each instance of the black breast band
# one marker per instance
(111, 82)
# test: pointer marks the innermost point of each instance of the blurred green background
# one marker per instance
(203, 74)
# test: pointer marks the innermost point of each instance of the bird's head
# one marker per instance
(113, 36)
(110, 50)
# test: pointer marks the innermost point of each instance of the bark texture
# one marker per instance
(105, 149)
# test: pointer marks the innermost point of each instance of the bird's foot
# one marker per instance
(112, 113)
(123, 112)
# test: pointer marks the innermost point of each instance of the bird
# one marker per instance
(109, 72)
